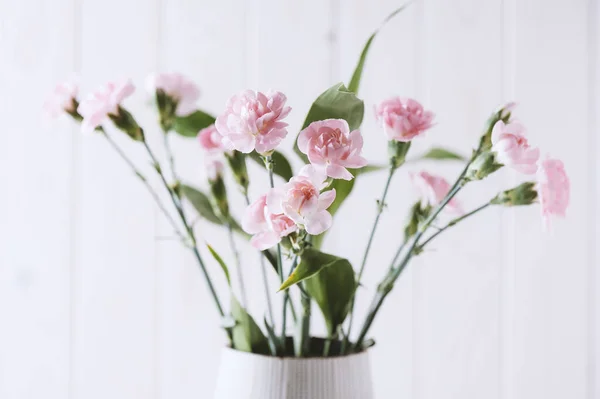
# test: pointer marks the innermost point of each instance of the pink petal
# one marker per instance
(339, 172)
(326, 199)
(265, 240)
(318, 222)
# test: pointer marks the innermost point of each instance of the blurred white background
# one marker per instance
(96, 303)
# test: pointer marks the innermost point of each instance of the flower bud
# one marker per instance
(397, 151)
(502, 114)
(126, 123)
(237, 163)
(418, 213)
(483, 165)
(524, 194)
(166, 109)
(219, 193)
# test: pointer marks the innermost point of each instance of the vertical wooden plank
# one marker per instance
(594, 223)
(197, 41)
(36, 51)
(392, 69)
(458, 278)
(551, 346)
(114, 327)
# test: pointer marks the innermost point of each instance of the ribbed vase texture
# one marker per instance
(248, 376)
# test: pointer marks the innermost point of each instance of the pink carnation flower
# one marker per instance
(513, 149)
(210, 140)
(267, 228)
(403, 119)
(330, 145)
(181, 90)
(433, 189)
(104, 101)
(254, 121)
(301, 200)
(62, 100)
(553, 189)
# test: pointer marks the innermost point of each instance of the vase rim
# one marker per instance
(294, 358)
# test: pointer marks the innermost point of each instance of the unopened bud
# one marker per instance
(502, 114)
(166, 109)
(219, 196)
(524, 194)
(397, 151)
(214, 170)
(482, 166)
(126, 123)
(237, 163)
(418, 213)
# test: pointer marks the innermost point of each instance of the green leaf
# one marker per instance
(441, 154)
(221, 263)
(334, 103)
(356, 76)
(190, 125)
(311, 262)
(332, 289)
(274, 341)
(281, 166)
(246, 334)
(201, 203)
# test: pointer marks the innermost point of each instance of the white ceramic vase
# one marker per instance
(245, 375)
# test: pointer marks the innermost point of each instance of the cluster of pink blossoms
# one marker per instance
(513, 149)
(404, 119)
(300, 203)
(253, 121)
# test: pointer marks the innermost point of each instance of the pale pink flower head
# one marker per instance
(433, 189)
(254, 121)
(403, 119)
(62, 100)
(210, 140)
(103, 102)
(183, 91)
(512, 148)
(329, 144)
(553, 189)
(267, 228)
(214, 168)
(301, 200)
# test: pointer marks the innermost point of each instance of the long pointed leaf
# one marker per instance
(357, 75)
(247, 335)
(221, 263)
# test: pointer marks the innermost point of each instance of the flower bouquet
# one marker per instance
(288, 223)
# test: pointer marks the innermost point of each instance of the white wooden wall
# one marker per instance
(95, 304)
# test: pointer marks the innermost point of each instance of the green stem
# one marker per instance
(386, 286)
(170, 155)
(188, 229)
(302, 346)
(452, 223)
(380, 206)
(263, 268)
(153, 193)
(269, 166)
(327, 346)
(238, 265)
